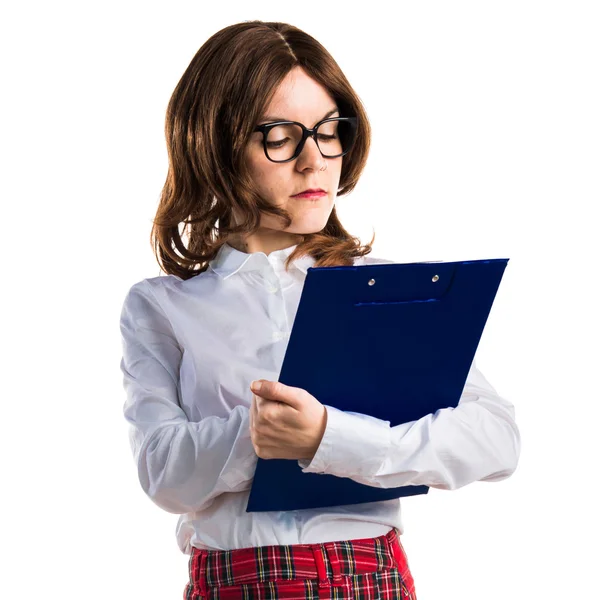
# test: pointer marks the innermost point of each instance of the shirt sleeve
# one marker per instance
(182, 466)
(478, 440)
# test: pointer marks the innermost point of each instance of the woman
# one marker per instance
(195, 339)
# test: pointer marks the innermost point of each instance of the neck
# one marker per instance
(266, 242)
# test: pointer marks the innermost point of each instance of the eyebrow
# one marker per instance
(270, 118)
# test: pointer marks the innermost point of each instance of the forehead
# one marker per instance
(299, 98)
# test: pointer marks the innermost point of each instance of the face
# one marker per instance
(298, 98)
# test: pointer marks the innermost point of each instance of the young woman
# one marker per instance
(264, 132)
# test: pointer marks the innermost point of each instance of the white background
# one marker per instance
(486, 129)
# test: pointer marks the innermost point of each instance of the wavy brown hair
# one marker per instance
(210, 118)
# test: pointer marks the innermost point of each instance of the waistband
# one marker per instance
(328, 562)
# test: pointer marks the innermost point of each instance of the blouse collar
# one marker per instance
(229, 260)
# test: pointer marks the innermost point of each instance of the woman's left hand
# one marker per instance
(285, 422)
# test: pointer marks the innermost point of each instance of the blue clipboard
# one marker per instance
(394, 341)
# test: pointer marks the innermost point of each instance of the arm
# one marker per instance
(182, 466)
(478, 440)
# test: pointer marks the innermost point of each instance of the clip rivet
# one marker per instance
(371, 282)
(435, 278)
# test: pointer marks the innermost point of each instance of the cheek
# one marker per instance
(256, 162)
(266, 175)
(256, 168)
(274, 183)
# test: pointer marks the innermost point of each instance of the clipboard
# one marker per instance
(394, 341)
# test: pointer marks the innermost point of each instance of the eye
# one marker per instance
(277, 144)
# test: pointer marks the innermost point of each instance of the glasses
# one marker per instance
(283, 140)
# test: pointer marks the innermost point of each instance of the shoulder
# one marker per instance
(149, 291)
(164, 292)
(150, 285)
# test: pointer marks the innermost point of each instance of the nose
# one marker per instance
(310, 156)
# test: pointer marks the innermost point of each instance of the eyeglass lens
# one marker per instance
(333, 139)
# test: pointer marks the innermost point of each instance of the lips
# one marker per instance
(310, 196)
(312, 192)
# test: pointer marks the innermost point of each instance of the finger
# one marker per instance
(277, 391)
(261, 405)
(253, 410)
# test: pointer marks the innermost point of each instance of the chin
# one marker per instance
(308, 229)
(310, 225)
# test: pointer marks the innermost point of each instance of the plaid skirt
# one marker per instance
(364, 569)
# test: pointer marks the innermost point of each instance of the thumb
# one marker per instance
(275, 390)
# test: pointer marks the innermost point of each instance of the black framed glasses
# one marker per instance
(283, 140)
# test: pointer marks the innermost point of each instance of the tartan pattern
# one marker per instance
(365, 569)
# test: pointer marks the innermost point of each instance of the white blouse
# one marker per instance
(190, 350)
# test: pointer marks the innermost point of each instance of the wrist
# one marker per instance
(320, 432)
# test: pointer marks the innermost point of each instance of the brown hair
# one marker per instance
(210, 118)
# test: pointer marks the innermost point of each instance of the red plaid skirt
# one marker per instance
(364, 569)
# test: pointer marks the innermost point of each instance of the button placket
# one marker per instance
(278, 309)
(272, 282)
(280, 335)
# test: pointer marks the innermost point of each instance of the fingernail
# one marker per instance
(255, 386)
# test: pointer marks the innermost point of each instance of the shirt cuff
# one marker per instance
(353, 445)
